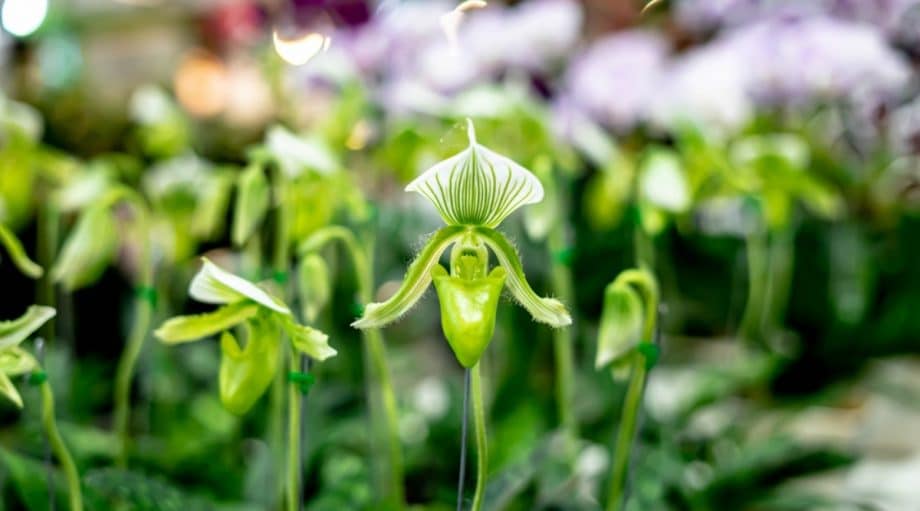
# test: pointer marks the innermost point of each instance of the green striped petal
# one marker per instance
(212, 284)
(545, 310)
(417, 280)
(15, 331)
(18, 254)
(9, 390)
(477, 187)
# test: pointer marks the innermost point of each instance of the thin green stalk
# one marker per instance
(756, 248)
(124, 373)
(482, 448)
(463, 427)
(561, 277)
(626, 435)
(385, 426)
(294, 458)
(60, 449)
(48, 234)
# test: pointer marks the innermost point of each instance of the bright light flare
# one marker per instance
(450, 22)
(22, 17)
(298, 51)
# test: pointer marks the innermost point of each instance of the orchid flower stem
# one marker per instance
(48, 234)
(626, 435)
(752, 322)
(482, 448)
(466, 418)
(384, 410)
(561, 277)
(294, 450)
(124, 373)
(60, 450)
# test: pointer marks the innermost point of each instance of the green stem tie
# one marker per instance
(37, 378)
(302, 379)
(280, 276)
(148, 294)
(564, 256)
(651, 352)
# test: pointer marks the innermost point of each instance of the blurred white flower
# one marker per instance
(430, 398)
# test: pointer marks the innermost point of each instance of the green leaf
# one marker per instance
(212, 284)
(414, 284)
(245, 373)
(621, 324)
(29, 478)
(477, 187)
(545, 310)
(309, 341)
(88, 250)
(15, 331)
(182, 329)
(252, 202)
(18, 254)
(314, 285)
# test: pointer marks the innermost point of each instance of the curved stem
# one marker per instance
(561, 277)
(385, 426)
(60, 449)
(756, 249)
(466, 418)
(626, 434)
(294, 458)
(482, 448)
(124, 373)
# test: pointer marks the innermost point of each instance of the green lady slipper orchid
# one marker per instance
(245, 371)
(14, 360)
(473, 191)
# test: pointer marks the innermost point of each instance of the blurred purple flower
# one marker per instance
(614, 80)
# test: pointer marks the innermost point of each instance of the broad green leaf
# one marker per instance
(245, 373)
(15, 331)
(309, 341)
(212, 284)
(88, 250)
(545, 310)
(18, 254)
(8, 390)
(253, 198)
(620, 326)
(182, 329)
(477, 187)
(417, 279)
(314, 285)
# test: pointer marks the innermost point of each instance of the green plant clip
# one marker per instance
(280, 276)
(147, 293)
(357, 308)
(564, 256)
(650, 352)
(303, 380)
(37, 378)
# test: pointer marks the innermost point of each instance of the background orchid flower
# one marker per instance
(473, 191)
(246, 371)
(14, 360)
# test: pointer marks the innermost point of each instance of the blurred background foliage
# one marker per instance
(762, 156)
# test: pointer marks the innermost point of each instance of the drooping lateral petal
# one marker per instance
(309, 341)
(253, 198)
(15, 331)
(545, 310)
(182, 329)
(417, 280)
(15, 361)
(88, 250)
(478, 186)
(9, 390)
(18, 254)
(212, 284)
